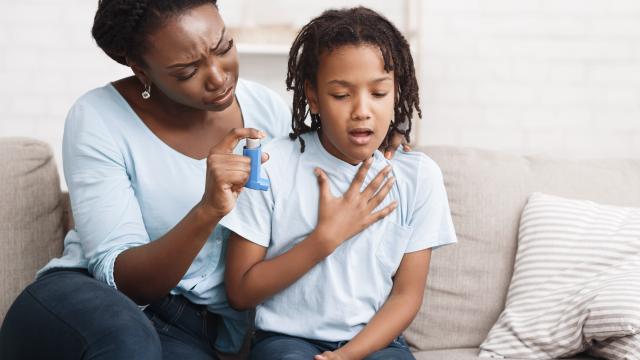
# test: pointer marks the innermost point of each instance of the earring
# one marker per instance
(147, 92)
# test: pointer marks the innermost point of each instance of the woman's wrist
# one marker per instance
(204, 213)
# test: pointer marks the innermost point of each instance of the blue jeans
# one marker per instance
(275, 346)
(67, 314)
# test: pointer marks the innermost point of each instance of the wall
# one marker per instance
(559, 76)
(554, 76)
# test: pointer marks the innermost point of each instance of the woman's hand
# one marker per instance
(396, 140)
(340, 218)
(227, 173)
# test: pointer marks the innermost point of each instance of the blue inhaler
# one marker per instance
(253, 150)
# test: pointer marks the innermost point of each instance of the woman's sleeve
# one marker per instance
(105, 209)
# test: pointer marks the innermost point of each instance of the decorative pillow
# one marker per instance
(624, 348)
(576, 282)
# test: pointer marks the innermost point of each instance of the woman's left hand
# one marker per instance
(330, 355)
(396, 140)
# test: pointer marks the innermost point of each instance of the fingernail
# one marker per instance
(387, 154)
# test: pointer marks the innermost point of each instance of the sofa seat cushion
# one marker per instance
(466, 354)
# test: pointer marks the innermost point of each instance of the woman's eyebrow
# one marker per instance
(222, 33)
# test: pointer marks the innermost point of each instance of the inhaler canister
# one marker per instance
(253, 150)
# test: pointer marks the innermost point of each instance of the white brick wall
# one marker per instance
(558, 76)
(533, 76)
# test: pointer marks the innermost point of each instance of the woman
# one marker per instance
(150, 165)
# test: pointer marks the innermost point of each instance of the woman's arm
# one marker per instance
(148, 272)
(250, 279)
(395, 315)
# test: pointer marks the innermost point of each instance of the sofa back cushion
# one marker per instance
(31, 223)
(468, 281)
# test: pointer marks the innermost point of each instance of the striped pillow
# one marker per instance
(627, 348)
(576, 283)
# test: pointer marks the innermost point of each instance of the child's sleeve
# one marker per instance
(251, 218)
(430, 221)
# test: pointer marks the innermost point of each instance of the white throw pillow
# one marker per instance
(576, 282)
(623, 348)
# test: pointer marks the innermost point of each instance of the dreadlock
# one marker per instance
(120, 27)
(337, 28)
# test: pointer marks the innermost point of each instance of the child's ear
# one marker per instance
(312, 97)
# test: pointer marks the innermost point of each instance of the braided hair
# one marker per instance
(121, 27)
(355, 26)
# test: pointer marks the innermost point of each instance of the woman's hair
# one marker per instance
(121, 27)
(355, 26)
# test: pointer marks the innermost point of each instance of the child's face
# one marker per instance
(355, 99)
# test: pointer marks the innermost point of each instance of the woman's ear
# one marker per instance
(312, 97)
(139, 72)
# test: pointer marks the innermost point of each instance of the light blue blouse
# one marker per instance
(128, 187)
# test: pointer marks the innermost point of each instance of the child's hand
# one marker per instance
(343, 217)
(330, 355)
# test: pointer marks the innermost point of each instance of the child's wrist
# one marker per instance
(323, 243)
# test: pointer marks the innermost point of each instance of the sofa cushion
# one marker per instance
(576, 280)
(467, 284)
(30, 214)
(466, 354)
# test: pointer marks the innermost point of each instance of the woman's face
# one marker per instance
(193, 61)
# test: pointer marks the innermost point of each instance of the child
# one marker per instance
(337, 271)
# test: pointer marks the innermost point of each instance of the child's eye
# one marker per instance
(380, 94)
(187, 76)
(339, 96)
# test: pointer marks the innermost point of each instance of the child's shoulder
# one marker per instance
(416, 165)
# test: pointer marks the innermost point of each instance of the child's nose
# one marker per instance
(360, 109)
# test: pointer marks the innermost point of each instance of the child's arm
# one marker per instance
(250, 279)
(395, 315)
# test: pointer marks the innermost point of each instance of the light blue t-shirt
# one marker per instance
(128, 187)
(340, 295)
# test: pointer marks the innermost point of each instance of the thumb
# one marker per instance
(323, 183)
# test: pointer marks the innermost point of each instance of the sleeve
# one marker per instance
(431, 221)
(251, 217)
(105, 209)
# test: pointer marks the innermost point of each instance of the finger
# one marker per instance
(233, 137)
(379, 197)
(323, 184)
(265, 157)
(395, 141)
(374, 185)
(234, 178)
(406, 147)
(378, 215)
(356, 184)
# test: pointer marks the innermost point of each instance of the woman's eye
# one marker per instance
(228, 48)
(183, 77)
(380, 94)
(339, 96)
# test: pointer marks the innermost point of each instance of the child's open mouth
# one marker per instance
(360, 136)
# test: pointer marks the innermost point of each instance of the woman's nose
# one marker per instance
(216, 77)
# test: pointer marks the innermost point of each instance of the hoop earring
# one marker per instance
(146, 94)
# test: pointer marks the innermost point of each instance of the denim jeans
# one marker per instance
(275, 346)
(67, 314)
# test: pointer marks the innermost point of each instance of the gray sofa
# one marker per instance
(467, 282)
